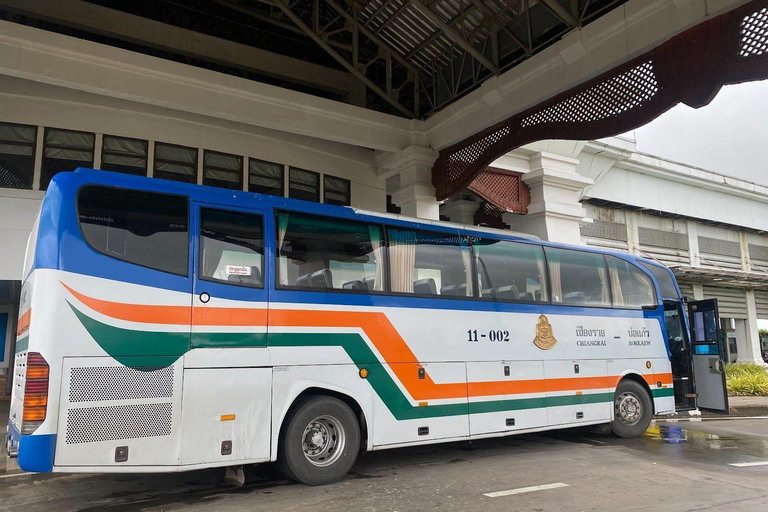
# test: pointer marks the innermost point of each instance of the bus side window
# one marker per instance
(578, 278)
(323, 253)
(427, 263)
(510, 271)
(232, 247)
(630, 286)
(143, 228)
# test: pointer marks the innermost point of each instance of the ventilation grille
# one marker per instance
(721, 247)
(758, 252)
(605, 229)
(93, 384)
(666, 239)
(93, 424)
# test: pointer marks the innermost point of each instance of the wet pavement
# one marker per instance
(674, 466)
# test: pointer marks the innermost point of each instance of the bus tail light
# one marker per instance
(35, 393)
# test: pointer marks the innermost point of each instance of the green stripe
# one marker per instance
(393, 398)
(658, 393)
(22, 344)
(163, 348)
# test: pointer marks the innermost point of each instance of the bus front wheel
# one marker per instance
(633, 409)
(321, 441)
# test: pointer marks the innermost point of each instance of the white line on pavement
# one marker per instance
(14, 475)
(750, 464)
(522, 490)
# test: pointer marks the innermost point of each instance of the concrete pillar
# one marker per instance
(752, 352)
(633, 233)
(416, 195)
(746, 262)
(461, 211)
(693, 244)
(555, 212)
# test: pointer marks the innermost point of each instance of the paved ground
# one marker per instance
(675, 466)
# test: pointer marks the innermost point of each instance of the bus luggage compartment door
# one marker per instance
(575, 393)
(106, 405)
(434, 405)
(226, 415)
(505, 396)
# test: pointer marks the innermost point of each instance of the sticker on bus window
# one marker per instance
(238, 270)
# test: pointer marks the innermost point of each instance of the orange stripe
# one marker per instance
(387, 340)
(23, 324)
(173, 315)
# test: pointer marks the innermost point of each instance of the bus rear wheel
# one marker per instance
(320, 443)
(633, 409)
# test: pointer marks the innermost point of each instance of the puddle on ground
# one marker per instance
(674, 434)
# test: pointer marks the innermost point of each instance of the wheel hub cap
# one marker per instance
(323, 441)
(629, 410)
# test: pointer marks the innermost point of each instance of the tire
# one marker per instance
(320, 442)
(633, 409)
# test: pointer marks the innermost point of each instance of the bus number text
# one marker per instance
(492, 335)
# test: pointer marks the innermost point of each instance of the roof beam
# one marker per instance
(94, 18)
(561, 12)
(453, 35)
(338, 58)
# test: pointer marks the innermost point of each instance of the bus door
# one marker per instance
(226, 372)
(229, 298)
(679, 345)
(707, 355)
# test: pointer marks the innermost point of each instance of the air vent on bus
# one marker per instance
(101, 383)
(93, 424)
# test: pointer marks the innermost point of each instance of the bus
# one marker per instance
(167, 327)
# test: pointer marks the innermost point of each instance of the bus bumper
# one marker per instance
(35, 452)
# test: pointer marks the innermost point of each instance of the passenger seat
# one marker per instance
(425, 287)
(321, 279)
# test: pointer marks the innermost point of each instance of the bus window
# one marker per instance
(232, 247)
(510, 271)
(630, 286)
(143, 228)
(663, 277)
(426, 263)
(322, 253)
(578, 278)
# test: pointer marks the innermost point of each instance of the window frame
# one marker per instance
(473, 269)
(293, 288)
(113, 187)
(290, 181)
(33, 145)
(221, 153)
(325, 188)
(43, 157)
(146, 156)
(549, 280)
(646, 267)
(222, 208)
(654, 284)
(513, 301)
(155, 160)
(282, 177)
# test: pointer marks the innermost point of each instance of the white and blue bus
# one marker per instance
(167, 327)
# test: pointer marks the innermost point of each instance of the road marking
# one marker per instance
(14, 475)
(522, 490)
(750, 464)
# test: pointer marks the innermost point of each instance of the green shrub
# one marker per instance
(746, 379)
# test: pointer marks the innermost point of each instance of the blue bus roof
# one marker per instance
(69, 182)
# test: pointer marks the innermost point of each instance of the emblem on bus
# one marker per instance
(544, 339)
